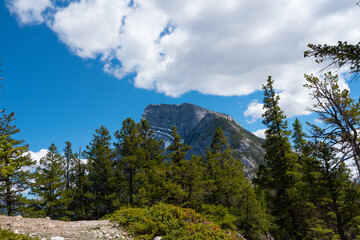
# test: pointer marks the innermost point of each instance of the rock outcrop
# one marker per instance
(44, 228)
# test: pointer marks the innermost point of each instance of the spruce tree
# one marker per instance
(130, 157)
(338, 214)
(232, 190)
(15, 166)
(307, 189)
(177, 148)
(101, 157)
(139, 157)
(153, 184)
(80, 187)
(69, 159)
(280, 175)
(50, 186)
(177, 167)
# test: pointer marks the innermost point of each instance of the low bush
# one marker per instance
(8, 235)
(169, 222)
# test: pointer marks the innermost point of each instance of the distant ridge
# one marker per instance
(197, 125)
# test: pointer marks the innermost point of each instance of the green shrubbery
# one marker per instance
(169, 222)
(8, 235)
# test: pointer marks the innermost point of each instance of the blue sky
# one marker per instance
(65, 74)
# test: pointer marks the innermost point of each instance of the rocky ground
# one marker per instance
(44, 228)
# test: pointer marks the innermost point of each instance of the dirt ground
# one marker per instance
(44, 228)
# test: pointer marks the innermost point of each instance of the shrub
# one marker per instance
(8, 235)
(169, 222)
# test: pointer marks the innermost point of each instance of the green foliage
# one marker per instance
(340, 114)
(280, 177)
(15, 164)
(101, 174)
(177, 148)
(49, 186)
(340, 55)
(219, 215)
(169, 222)
(232, 190)
(79, 185)
(8, 235)
(139, 164)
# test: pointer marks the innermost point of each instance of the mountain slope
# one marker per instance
(197, 125)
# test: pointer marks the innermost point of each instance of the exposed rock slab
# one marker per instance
(44, 228)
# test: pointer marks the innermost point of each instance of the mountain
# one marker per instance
(197, 125)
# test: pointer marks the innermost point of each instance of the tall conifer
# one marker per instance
(15, 165)
(280, 174)
(102, 182)
(50, 186)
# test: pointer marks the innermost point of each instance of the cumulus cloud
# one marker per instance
(28, 11)
(215, 47)
(254, 111)
(38, 155)
(260, 133)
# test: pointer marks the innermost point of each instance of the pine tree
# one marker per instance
(80, 187)
(131, 157)
(153, 184)
(176, 168)
(224, 170)
(232, 190)
(101, 173)
(15, 166)
(139, 157)
(280, 174)
(338, 214)
(177, 148)
(50, 186)
(340, 115)
(307, 189)
(69, 159)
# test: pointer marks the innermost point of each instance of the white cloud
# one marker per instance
(260, 133)
(216, 47)
(38, 155)
(254, 111)
(28, 11)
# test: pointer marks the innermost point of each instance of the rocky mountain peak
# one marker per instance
(197, 125)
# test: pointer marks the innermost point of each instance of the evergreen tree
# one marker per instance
(152, 148)
(176, 167)
(232, 190)
(15, 165)
(280, 175)
(153, 183)
(139, 157)
(50, 186)
(307, 189)
(338, 215)
(102, 182)
(69, 159)
(177, 148)
(340, 55)
(224, 170)
(131, 156)
(340, 114)
(80, 187)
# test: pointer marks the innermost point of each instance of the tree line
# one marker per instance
(133, 171)
(303, 191)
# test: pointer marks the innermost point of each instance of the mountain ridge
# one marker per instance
(197, 125)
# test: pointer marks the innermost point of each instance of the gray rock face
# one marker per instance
(197, 126)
